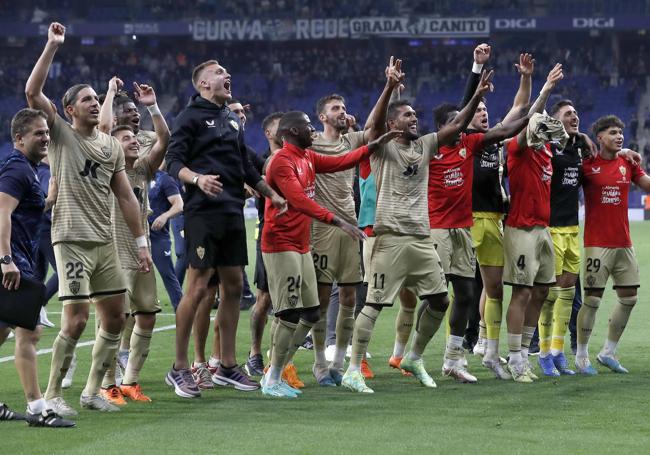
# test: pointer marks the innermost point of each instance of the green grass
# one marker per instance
(569, 415)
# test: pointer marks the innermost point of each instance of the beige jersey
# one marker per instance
(334, 191)
(146, 139)
(83, 168)
(402, 177)
(139, 178)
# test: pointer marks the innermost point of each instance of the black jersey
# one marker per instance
(566, 181)
(487, 192)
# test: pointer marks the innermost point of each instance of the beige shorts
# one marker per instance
(620, 263)
(529, 256)
(141, 294)
(567, 250)
(88, 270)
(454, 247)
(403, 261)
(336, 255)
(292, 280)
(487, 236)
(368, 245)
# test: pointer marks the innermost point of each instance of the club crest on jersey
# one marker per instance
(463, 153)
(292, 301)
(200, 252)
(378, 295)
(74, 287)
(210, 123)
(591, 281)
(234, 124)
(106, 152)
(623, 171)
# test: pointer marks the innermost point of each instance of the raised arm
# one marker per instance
(324, 164)
(505, 130)
(481, 56)
(106, 112)
(376, 124)
(131, 211)
(34, 87)
(449, 133)
(526, 66)
(146, 95)
(554, 76)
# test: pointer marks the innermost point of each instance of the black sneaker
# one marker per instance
(235, 377)
(8, 414)
(48, 418)
(246, 302)
(255, 365)
(308, 343)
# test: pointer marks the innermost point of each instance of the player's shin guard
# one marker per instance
(282, 342)
(344, 329)
(104, 350)
(561, 318)
(428, 323)
(492, 314)
(619, 317)
(363, 327)
(403, 328)
(140, 342)
(299, 335)
(545, 323)
(62, 352)
(586, 321)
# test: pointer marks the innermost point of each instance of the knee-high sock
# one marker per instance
(140, 342)
(545, 323)
(344, 329)
(403, 328)
(125, 343)
(274, 327)
(363, 327)
(492, 313)
(104, 350)
(586, 321)
(302, 329)
(428, 323)
(318, 333)
(109, 375)
(62, 352)
(282, 341)
(618, 320)
(561, 317)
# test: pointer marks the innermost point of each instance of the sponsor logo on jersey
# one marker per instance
(595, 170)
(210, 123)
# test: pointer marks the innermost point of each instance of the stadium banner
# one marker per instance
(270, 29)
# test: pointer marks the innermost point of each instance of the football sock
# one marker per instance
(302, 329)
(282, 341)
(619, 317)
(428, 323)
(37, 406)
(482, 330)
(140, 342)
(318, 336)
(526, 337)
(104, 350)
(344, 329)
(274, 327)
(62, 352)
(545, 323)
(514, 346)
(363, 327)
(403, 327)
(493, 313)
(109, 376)
(454, 349)
(561, 317)
(125, 343)
(587, 319)
(214, 362)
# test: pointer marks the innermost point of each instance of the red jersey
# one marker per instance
(606, 185)
(450, 183)
(529, 174)
(292, 174)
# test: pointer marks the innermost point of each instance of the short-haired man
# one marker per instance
(207, 152)
(88, 166)
(608, 247)
(22, 202)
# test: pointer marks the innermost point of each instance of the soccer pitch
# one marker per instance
(605, 413)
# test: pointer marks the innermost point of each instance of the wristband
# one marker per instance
(477, 68)
(154, 109)
(195, 179)
(141, 241)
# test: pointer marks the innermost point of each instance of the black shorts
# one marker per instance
(215, 241)
(259, 279)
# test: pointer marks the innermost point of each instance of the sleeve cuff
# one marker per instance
(477, 68)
